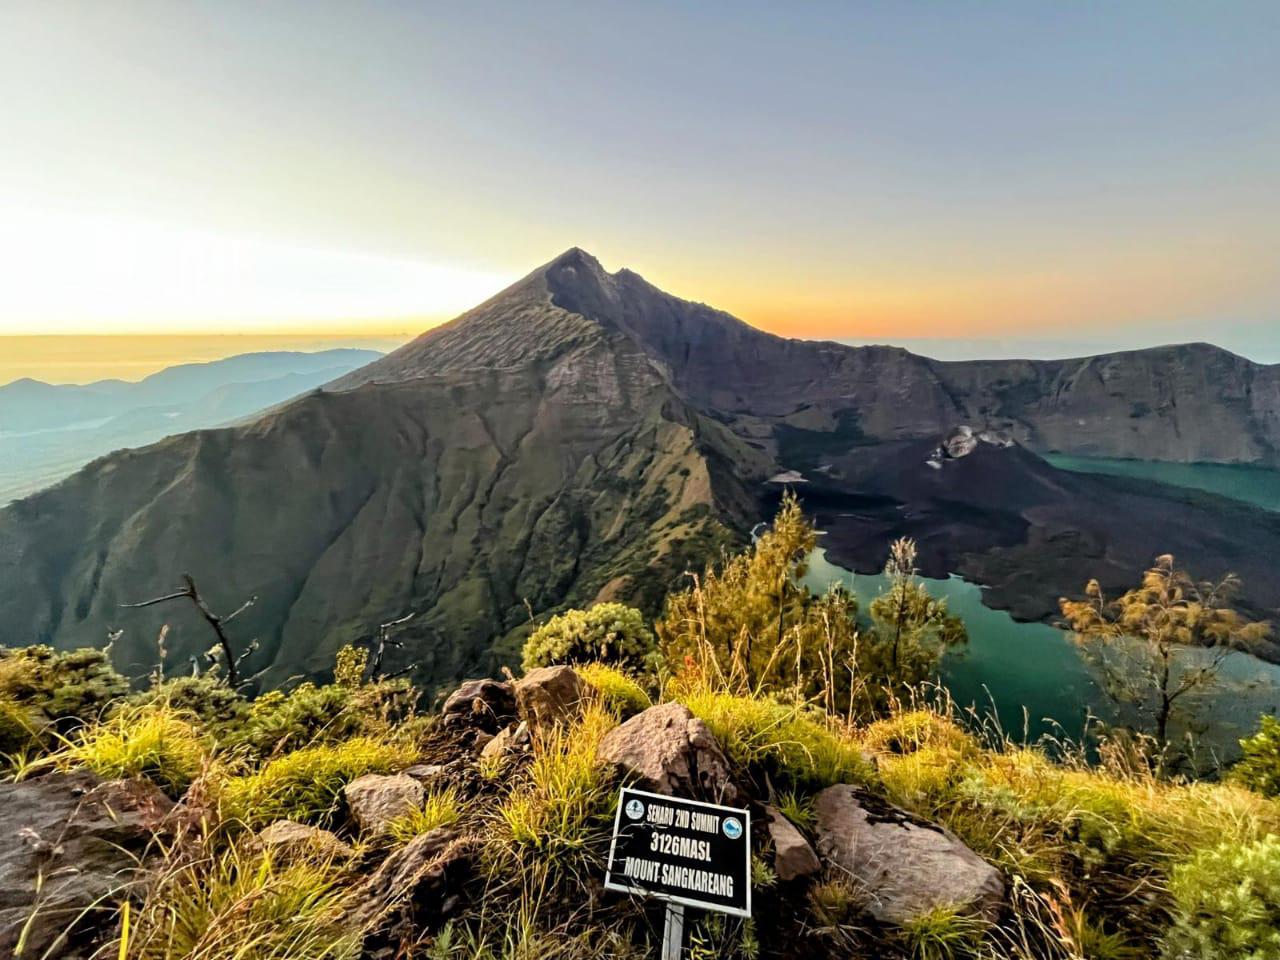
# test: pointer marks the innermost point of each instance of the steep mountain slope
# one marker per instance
(1185, 403)
(583, 435)
(459, 497)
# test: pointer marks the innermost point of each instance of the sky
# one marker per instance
(1025, 176)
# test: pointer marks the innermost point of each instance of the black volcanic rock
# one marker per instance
(1003, 517)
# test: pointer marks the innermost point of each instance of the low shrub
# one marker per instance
(607, 632)
(220, 710)
(305, 785)
(1227, 904)
(309, 714)
(73, 685)
(1259, 767)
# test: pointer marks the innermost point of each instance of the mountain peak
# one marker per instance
(575, 257)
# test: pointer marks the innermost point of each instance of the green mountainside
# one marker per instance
(579, 436)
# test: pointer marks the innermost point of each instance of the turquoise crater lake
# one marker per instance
(1032, 677)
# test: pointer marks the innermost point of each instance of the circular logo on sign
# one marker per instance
(732, 828)
(635, 809)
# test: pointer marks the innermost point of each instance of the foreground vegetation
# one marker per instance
(1105, 854)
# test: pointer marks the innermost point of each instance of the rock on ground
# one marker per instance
(422, 880)
(82, 839)
(488, 705)
(904, 867)
(667, 750)
(507, 741)
(549, 695)
(792, 855)
(291, 840)
(376, 799)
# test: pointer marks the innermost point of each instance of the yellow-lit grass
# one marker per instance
(305, 785)
(617, 691)
(233, 904)
(442, 808)
(793, 741)
(568, 792)
(156, 742)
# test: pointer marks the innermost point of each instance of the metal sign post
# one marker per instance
(685, 852)
(673, 932)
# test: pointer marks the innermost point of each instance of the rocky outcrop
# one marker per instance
(487, 705)
(666, 749)
(793, 857)
(287, 840)
(904, 867)
(67, 842)
(375, 800)
(420, 881)
(548, 696)
(509, 740)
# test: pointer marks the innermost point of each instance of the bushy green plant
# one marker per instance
(1259, 767)
(305, 785)
(618, 693)
(1227, 904)
(308, 714)
(607, 632)
(156, 742)
(72, 685)
(220, 710)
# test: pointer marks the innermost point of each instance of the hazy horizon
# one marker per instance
(73, 359)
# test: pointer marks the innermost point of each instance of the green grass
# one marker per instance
(231, 904)
(620, 694)
(305, 785)
(568, 791)
(942, 934)
(156, 742)
(442, 808)
(789, 741)
(797, 808)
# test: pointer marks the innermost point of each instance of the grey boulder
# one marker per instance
(792, 856)
(547, 696)
(904, 867)
(377, 799)
(77, 840)
(667, 750)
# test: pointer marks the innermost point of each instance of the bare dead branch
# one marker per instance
(190, 592)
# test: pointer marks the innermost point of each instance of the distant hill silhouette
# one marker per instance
(47, 431)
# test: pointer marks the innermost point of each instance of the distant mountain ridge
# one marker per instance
(1192, 402)
(28, 404)
(583, 435)
(47, 431)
